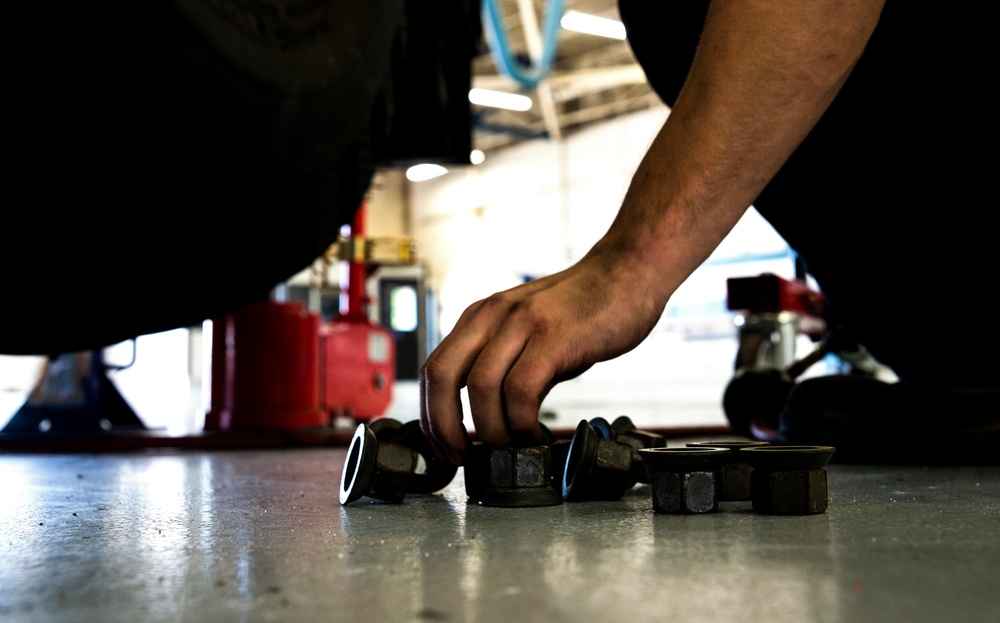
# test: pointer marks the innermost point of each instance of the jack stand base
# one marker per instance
(74, 397)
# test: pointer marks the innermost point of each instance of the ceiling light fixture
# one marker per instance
(424, 172)
(593, 25)
(500, 99)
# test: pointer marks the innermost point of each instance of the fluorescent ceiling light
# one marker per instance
(423, 172)
(593, 25)
(499, 99)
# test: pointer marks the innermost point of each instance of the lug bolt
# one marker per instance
(596, 468)
(735, 482)
(685, 480)
(789, 480)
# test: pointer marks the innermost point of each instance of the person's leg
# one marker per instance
(882, 200)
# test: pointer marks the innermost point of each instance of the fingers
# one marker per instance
(442, 377)
(486, 384)
(441, 411)
(507, 350)
(526, 384)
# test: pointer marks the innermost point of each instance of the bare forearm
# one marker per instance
(764, 73)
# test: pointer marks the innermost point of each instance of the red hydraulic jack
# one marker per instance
(357, 356)
(265, 362)
(275, 365)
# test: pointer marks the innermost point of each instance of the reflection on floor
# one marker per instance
(260, 536)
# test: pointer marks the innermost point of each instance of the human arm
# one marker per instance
(764, 73)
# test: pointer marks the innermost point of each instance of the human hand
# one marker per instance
(511, 348)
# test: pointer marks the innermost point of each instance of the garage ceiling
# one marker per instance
(593, 78)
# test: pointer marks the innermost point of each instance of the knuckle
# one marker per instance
(434, 372)
(479, 384)
(520, 390)
(533, 314)
(495, 303)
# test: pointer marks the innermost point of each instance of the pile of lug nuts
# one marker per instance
(388, 460)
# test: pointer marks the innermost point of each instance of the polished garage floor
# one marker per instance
(261, 536)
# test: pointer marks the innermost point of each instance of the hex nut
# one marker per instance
(789, 480)
(558, 453)
(596, 468)
(477, 471)
(385, 428)
(735, 477)
(625, 431)
(519, 467)
(685, 480)
(518, 477)
(794, 492)
(377, 469)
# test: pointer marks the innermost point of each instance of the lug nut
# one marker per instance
(789, 480)
(389, 459)
(431, 474)
(685, 480)
(596, 468)
(517, 477)
(377, 469)
(385, 428)
(558, 453)
(625, 431)
(735, 480)
(477, 471)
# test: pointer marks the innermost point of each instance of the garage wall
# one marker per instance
(534, 209)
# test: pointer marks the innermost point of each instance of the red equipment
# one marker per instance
(265, 369)
(357, 357)
(276, 366)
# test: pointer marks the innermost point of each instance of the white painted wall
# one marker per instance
(534, 209)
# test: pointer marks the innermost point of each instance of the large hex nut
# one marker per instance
(519, 477)
(558, 453)
(377, 469)
(596, 468)
(736, 472)
(789, 480)
(685, 480)
(477, 471)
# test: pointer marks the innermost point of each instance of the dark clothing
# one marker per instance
(885, 199)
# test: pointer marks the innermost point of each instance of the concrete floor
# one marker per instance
(261, 536)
